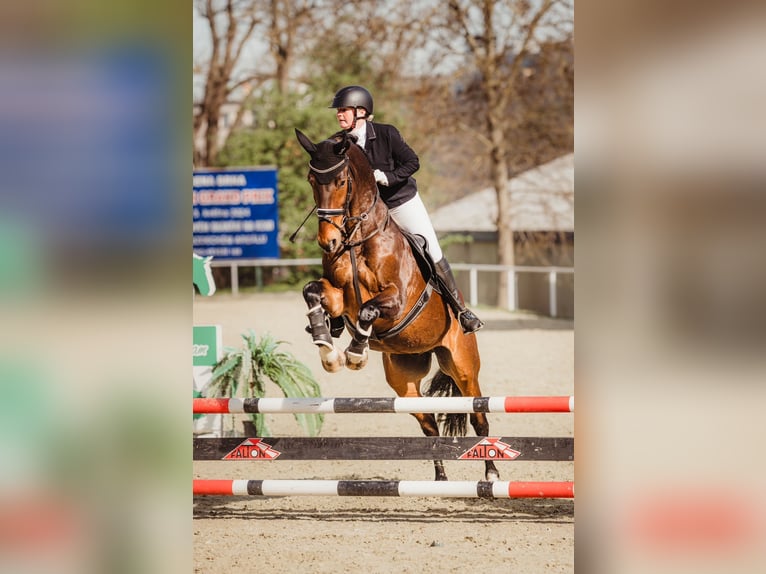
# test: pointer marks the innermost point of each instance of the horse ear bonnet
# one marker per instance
(328, 157)
(305, 142)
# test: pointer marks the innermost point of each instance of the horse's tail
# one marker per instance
(442, 385)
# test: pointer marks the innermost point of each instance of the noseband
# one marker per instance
(326, 176)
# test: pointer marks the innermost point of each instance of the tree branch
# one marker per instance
(462, 21)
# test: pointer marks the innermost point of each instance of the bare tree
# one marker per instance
(231, 24)
(369, 43)
(235, 26)
(286, 21)
(495, 39)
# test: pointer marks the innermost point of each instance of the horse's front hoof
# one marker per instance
(356, 356)
(332, 367)
(492, 476)
(333, 360)
(355, 361)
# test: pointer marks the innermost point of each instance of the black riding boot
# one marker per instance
(468, 321)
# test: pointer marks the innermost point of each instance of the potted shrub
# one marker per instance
(245, 372)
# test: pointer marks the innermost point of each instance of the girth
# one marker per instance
(411, 315)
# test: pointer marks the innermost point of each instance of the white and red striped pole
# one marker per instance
(446, 489)
(560, 404)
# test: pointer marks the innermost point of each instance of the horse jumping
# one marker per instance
(373, 283)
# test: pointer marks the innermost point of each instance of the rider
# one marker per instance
(394, 163)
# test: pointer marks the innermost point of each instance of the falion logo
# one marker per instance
(254, 449)
(200, 350)
(490, 449)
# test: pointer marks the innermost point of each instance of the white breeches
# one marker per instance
(413, 217)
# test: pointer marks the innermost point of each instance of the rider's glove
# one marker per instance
(380, 177)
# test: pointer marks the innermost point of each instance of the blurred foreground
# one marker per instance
(95, 459)
(671, 289)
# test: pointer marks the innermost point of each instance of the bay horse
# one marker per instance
(373, 284)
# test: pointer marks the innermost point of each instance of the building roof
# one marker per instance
(542, 199)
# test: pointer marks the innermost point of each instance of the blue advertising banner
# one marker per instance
(235, 213)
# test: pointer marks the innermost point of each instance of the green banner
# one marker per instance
(207, 347)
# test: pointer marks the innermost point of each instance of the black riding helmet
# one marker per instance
(353, 97)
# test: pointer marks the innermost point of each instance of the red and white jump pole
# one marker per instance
(444, 489)
(561, 404)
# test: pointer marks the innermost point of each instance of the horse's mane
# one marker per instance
(359, 159)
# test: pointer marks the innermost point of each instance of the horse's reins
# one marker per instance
(325, 214)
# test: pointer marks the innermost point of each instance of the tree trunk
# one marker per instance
(499, 173)
(211, 138)
(214, 101)
(505, 253)
(505, 246)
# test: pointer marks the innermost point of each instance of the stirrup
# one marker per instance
(469, 322)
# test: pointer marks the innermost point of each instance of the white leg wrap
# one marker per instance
(362, 332)
(356, 358)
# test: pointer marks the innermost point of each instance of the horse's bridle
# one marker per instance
(326, 214)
